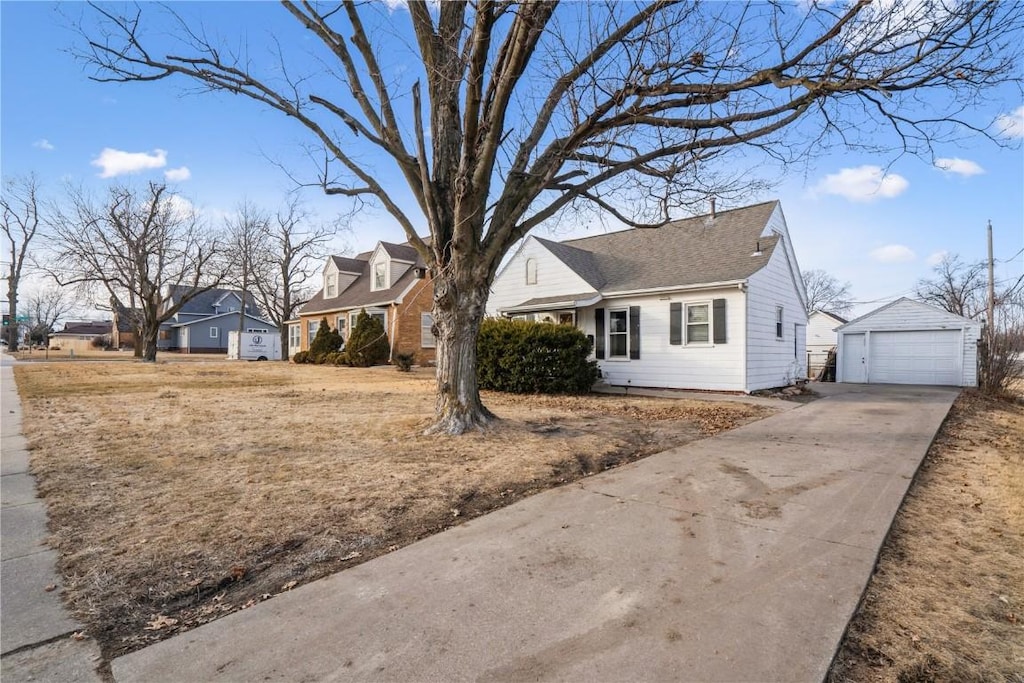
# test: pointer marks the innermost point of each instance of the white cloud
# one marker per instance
(962, 167)
(114, 162)
(863, 184)
(44, 145)
(893, 253)
(177, 175)
(936, 258)
(1011, 125)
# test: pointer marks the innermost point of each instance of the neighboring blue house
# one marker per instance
(203, 323)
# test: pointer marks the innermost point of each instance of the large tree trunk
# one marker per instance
(13, 327)
(458, 311)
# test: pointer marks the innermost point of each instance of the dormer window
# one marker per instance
(332, 286)
(531, 271)
(380, 275)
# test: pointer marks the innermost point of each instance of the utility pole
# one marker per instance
(991, 290)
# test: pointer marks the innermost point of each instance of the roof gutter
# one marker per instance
(741, 284)
(553, 305)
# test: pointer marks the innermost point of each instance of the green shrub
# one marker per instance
(326, 341)
(336, 358)
(403, 361)
(367, 343)
(301, 357)
(524, 357)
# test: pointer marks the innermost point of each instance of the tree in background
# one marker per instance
(20, 218)
(45, 306)
(505, 115)
(291, 253)
(957, 287)
(137, 245)
(245, 245)
(826, 293)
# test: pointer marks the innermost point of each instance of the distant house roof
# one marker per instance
(204, 303)
(358, 294)
(92, 329)
(691, 251)
(835, 316)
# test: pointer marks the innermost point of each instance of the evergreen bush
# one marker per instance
(525, 357)
(367, 343)
(403, 361)
(326, 341)
(301, 357)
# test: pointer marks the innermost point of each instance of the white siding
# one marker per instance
(773, 362)
(554, 278)
(663, 365)
(821, 337)
(913, 316)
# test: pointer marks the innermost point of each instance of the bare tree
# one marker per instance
(46, 306)
(957, 287)
(291, 254)
(826, 293)
(246, 245)
(20, 205)
(141, 246)
(507, 114)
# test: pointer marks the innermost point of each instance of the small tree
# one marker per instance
(326, 341)
(368, 342)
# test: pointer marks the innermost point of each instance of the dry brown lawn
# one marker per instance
(179, 492)
(947, 600)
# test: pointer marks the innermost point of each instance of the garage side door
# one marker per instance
(918, 357)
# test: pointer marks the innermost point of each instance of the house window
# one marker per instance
(332, 286)
(567, 318)
(380, 275)
(165, 335)
(339, 324)
(698, 323)
(778, 322)
(531, 271)
(379, 315)
(294, 336)
(618, 333)
(214, 332)
(311, 328)
(427, 339)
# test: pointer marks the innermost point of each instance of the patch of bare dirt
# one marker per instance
(181, 492)
(946, 602)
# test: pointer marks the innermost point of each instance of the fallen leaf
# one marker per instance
(159, 621)
(50, 588)
(351, 556)
(290, 585)
(79, 635)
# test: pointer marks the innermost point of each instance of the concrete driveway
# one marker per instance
(739, 557)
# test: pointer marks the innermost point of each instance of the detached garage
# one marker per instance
(908, 342)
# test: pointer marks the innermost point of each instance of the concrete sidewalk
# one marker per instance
(35, 629)
(739, 557)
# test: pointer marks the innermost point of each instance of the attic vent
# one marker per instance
(419, 273)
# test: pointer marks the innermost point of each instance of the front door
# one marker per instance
(855, 369)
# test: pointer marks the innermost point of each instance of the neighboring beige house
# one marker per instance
(821, 338)
(714, 302)
(391, 283)
(80, 336)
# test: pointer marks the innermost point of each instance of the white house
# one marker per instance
(909, 342)
(714, 302)
(821, 338)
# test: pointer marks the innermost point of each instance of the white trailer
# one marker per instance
(254, 346)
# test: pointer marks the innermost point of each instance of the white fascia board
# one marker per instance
(684, 288)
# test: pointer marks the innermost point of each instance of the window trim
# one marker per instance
(331, 287)
(708, 323)
(531, 271)
(624, 333)
(214, 333)
(779, 327)
(426, 331)
(295, 336)
(382, 266)
(312, 327)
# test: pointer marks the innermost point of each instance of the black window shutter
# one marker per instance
(599, 333)
(634, 332)
(718, 307)
(675, 324)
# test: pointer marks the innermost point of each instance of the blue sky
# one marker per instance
(877, 222)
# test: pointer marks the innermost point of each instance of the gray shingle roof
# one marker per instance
(402, 252)
(348, 265)
(691, 251)
(358, 293)
(203, 303)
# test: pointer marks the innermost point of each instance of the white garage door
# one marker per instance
(920, 357)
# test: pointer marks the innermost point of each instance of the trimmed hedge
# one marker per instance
(534, 358)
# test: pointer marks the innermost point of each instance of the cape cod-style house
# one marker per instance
(714, 302)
